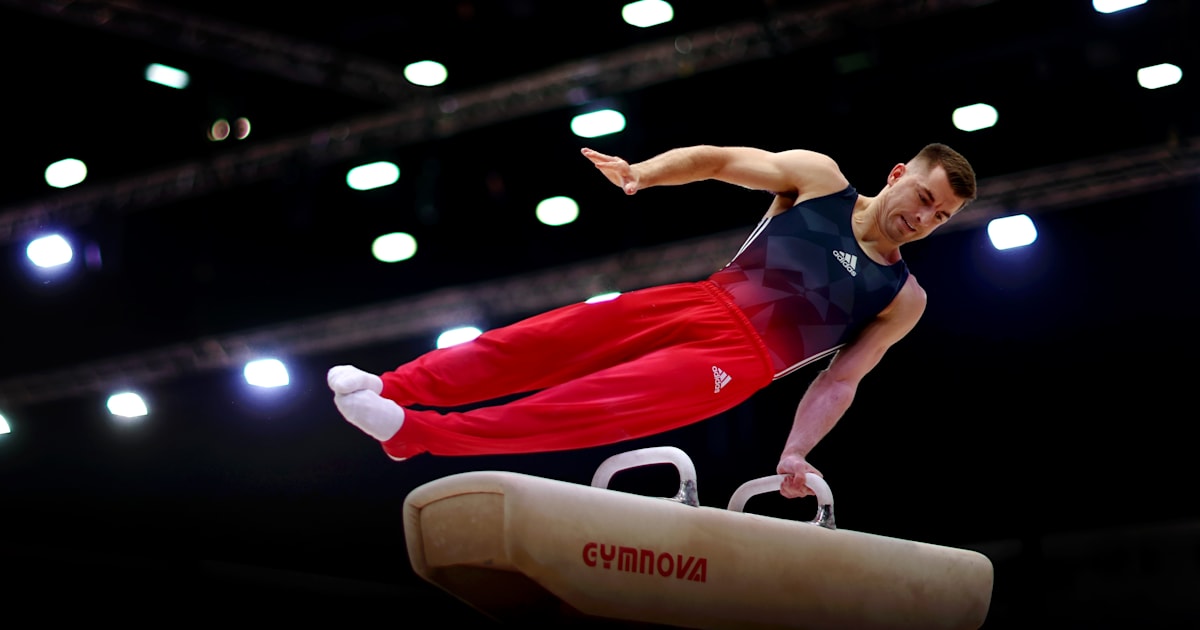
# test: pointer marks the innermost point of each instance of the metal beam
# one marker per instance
(1083, 182)
(237, 45)
(1057, 187)
(419, 118)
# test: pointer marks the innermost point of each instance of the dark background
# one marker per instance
(1039, 413)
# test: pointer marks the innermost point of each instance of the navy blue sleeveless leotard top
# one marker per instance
(805, 283)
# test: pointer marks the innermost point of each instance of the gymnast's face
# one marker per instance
(918, 201)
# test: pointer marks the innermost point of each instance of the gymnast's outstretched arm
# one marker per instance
(831, 392)
(794, 174)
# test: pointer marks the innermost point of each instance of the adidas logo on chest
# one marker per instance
(849, 261)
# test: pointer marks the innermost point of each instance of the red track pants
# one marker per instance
(647, 362)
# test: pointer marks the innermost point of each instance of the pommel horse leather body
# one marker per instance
(524, 548)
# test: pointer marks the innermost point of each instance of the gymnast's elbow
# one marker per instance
(850, 365)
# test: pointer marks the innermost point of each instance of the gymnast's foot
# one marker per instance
(375, 415)
(347, 379)
(356, 395)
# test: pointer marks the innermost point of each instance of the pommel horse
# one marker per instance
(521, 548)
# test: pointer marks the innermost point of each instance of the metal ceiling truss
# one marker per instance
(416, 114)
(1059, 187)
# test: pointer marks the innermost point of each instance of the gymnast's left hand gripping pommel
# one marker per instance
(773, 483)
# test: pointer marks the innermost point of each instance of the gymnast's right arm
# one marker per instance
(831, 392)
(786, 173)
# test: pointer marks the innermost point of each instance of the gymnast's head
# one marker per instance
(924, 193)
(956, 167)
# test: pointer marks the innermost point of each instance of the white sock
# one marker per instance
(375, 415)
(346, 379)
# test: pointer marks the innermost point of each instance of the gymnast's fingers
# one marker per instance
(793, 488)
(596, 156)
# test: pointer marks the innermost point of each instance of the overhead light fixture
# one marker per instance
(66, 173)
(425, 73)
(557, 211)
(219, 130)
(394, 247)
(598, 123)
(1014, 231)
(241, 128)
(1162, 75)
(1112, 6)
(127, 405)
(975, 117)
(455, 336)
(166, 75)
(49, 251)
(266, 373)
(373, 175)
(647, 13)
(603, 297)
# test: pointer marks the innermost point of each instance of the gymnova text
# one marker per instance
(648, 561)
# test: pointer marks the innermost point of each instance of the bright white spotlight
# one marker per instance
(4, 428)
(975, 117)
(394, 247)
(455, 336)
(557, 210)
(1010, 232)
(49, 251)
(603, 297)
(127, 405)
(66, 173)
(266, 373)
(647, 13)
(373, 175)
(598, 123)
(1162, 75)
(166, 75)
(425, 73)
(1112, 6)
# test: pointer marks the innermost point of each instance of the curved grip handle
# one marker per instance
(772, 483)
(648, 456)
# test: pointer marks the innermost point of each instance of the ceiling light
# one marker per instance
(425, 73)
(373, 175)
(166, 75)
(1010, 232)
(49, 251)
(975, 117)
(647, 13)
(127, 405)
(1112, 6)
(598, 123)
(394, 247)
(455, 336)
(557, 210)
(66, 173)
(266, 373)
(1162, 75)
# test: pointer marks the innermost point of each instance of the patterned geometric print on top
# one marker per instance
(804, 282)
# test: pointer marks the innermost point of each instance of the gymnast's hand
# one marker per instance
(615, 169)
(793, 487)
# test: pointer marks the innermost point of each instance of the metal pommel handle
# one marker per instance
(772, 483)
(648, 456)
